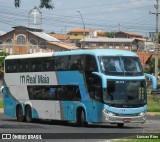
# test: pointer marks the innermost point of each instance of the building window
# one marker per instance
(34, 50)
(30, 50)
(11, 51)
(93, 44)
(9, 41)
(33, 44)
(6, 50)
(126, 47)
(43, 45)
(9, 46)
(21, 40)
(40, 50)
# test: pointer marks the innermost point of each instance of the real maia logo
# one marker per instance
(28, 79)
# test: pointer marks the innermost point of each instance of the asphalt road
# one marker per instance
(62, 130)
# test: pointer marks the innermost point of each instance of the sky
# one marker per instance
(106, 15)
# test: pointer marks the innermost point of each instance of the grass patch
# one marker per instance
(153, 103)
(1, 103)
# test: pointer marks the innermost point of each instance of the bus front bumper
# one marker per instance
(110, 118)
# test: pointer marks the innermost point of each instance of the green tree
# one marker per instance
(43, 4)
(110, 34)
(2, 57)
(52, 33)
(151, 66)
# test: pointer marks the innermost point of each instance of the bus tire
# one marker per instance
(120, 125)
(28, 114)
(81, 118)
(19, 114)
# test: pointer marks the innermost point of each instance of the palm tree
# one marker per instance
(43, 4)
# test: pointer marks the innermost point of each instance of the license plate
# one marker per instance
(127, 120)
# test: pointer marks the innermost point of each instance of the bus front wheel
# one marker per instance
(19, 113)
(28, 114)
(81, 119)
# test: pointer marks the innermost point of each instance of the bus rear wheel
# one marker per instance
(81, 119)
(19, 114)
(28, 114)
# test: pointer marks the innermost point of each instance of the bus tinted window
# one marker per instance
(90, 64)
(59, 92)
(11, 66)
(48, 64)
(36, 65)
(61, 63)
(76, 62)
(23, 66)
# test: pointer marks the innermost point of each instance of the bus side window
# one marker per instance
(73, 93)
(36, 65)
(76, 62)
(23, 66)
(57, 92)
(61, 63)
(11, 66)
(14, 66)
(8, 66)
(48, 64)
(90, 63)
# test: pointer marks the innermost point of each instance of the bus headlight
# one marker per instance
(108, 112)
(111, 113)
(141, 114)
(104, 111)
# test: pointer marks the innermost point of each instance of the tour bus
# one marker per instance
(82, 86)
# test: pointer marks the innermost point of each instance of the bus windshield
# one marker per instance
(122, 66)
(125, 93)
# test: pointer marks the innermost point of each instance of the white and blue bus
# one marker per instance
(82, 86)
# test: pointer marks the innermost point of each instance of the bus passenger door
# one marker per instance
(58, 110)
(49, 109)
(63, 110)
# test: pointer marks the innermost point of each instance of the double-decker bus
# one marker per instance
(82, 86)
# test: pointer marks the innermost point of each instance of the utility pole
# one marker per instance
(84, 44)
(156, 40)
(65, 34)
